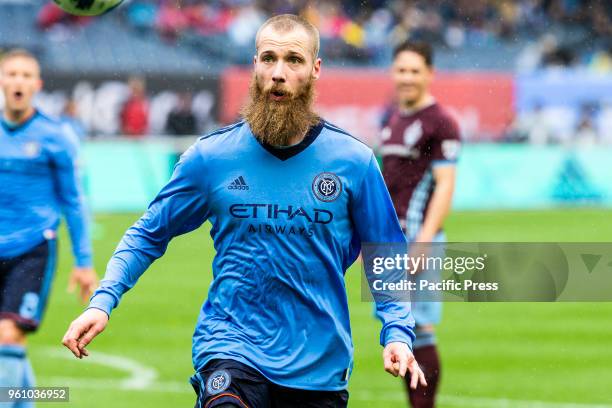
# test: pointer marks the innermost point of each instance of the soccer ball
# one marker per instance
(87, 7)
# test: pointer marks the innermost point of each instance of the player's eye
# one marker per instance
(295, 60)
(267, 58)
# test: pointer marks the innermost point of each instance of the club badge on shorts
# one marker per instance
(326, 186)
(218, 382)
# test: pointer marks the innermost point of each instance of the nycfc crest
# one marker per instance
(31, 149)
(326, 187)
(218, 382)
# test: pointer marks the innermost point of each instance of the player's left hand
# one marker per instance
(86, 278)
(399, 359)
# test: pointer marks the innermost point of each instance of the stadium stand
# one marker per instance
(532, 46)
(470, 34)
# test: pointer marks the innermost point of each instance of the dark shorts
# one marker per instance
(25, 282)
(231, 382)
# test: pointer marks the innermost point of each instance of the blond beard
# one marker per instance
(277, 122)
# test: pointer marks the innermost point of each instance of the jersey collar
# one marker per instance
(9, 127)
(284, 153)
(409, 112)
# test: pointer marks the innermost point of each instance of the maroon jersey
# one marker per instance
(412, 143)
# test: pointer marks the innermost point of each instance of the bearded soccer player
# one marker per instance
(420, 145)
(38, 175)
(290, 198)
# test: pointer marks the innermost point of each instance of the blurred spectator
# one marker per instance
(141, 15)
(241, 32)
(244, 26)
(363, 31)
(600, 13)
(208, 19)
(586, 134)
(50, 16)
(181, 121)
(562, 124)
(532, 55)
(70, 117)
(171, 20)
(532, 126)
(604, 123)
(601, 61)
(377, 29)
(501, 35)
(559, 57)
(135, 111)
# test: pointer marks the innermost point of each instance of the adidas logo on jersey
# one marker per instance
(238, 184)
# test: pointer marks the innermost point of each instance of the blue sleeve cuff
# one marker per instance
(85, 261)
(103, 301)
(440, 163)
(397, 334)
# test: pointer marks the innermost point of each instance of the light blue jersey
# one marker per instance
(286, 225)
(39, 182)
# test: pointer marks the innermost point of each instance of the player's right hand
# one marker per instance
(398, 359)
(83, 330)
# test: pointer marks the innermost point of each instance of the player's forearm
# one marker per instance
(78, 228)
(177, 209)
(397, 323)
(438, 209)
(75, 212)
(123, 271)
(142, 244)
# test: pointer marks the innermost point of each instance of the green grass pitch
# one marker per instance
(494, 355)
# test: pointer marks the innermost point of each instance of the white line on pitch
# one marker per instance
(112, 384)
(139, 375)
(143, 378)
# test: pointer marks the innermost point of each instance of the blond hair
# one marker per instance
(18, 53)
(287, 22)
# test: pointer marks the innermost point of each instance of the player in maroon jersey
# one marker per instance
(419, 145)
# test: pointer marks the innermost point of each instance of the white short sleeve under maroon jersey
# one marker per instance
(411, 145)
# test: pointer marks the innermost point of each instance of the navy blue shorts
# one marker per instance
(231, 382)
(25, 282)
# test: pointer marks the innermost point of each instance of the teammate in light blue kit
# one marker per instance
(290, 198)
(39, 182)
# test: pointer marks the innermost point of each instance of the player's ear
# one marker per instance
(316, 69)
(39, 85)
